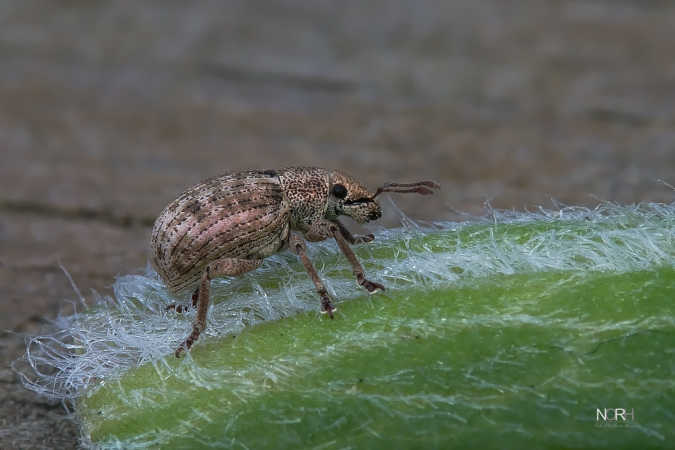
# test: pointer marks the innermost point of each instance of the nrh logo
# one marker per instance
(618, 415)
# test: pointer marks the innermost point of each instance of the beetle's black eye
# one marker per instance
(339, 191)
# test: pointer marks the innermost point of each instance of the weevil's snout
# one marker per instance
(363, 211)
(351, 198)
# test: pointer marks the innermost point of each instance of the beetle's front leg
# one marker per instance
(351, 238)
(298, 246)
(323, 229)
(371, 286)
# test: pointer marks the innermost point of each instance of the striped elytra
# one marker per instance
(240, 215)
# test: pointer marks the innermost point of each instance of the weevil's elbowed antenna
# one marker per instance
(421, 187)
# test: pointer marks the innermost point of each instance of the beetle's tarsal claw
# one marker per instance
(327, 308)
(187, 344)
(365, 238)
(329, 312)
(378, 288)
(371, 286)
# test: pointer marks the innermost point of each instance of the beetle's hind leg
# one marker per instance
(180, 308)
(221, 268)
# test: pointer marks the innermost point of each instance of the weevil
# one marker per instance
(227, 225)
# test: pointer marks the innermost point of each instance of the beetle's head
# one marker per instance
(350, 198)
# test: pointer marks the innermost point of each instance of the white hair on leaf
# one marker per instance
(131, 327)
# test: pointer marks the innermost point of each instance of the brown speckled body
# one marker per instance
(227, 225)
(240, 215)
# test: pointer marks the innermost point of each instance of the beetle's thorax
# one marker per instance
(306, 191)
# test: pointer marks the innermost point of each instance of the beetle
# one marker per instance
(227, 225)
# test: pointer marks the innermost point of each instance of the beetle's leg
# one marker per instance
(195, 298)
(371, 286)
(220, 268)
(324, 229)
(350, 237)
(203, 302)
(297, 245)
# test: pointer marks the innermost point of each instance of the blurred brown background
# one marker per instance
(109, 109)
